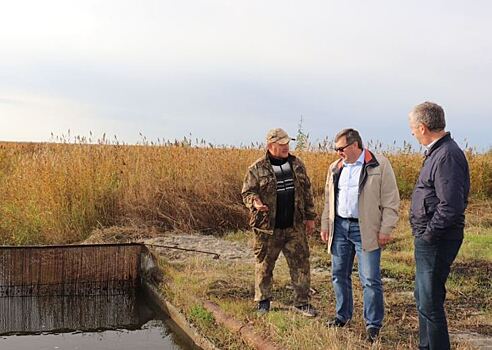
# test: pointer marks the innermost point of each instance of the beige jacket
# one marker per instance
(378, 199)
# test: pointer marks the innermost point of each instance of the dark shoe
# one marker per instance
(335, 322)
(307, 310)
(264, 306)
(372, 334)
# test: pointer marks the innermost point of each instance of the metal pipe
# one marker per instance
(216, 255)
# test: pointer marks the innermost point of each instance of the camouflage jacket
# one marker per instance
(260, 182)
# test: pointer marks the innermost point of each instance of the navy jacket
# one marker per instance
(440, 196)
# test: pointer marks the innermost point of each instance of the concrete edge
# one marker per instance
(180, 320)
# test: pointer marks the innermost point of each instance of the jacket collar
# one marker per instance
(439, 142)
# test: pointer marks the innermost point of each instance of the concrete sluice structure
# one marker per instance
(81, 288)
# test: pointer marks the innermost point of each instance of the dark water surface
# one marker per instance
(126, 321)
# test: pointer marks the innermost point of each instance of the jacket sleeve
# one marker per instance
(250, 190)
(450, 182)
(390, 199)
(326, 208)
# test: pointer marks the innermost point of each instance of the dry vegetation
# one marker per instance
(60, 192)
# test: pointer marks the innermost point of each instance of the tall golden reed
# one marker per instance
(58, 193)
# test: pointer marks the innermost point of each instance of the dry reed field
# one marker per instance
(58, 193)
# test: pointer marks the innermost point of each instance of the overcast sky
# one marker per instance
(227, 71)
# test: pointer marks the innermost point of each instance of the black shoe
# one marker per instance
(307, 310)
(264, 306)
(335, 322)
(372, 334)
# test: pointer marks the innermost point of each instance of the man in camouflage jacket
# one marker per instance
(277, 191)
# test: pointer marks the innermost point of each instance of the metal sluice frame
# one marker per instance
(65, 270)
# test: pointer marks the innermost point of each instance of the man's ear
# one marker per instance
(423, 129)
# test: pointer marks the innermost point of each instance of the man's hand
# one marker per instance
(258, 204)
(324, 236)
(384, 239)
(309, 227)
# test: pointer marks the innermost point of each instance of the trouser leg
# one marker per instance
(266, 249)
(296, 252)
(433, 263)
(372, 287)
(342, 260)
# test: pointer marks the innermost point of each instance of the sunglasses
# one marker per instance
(341, 149)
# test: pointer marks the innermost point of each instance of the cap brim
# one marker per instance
(285, 140)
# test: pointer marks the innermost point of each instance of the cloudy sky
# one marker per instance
(227, 71)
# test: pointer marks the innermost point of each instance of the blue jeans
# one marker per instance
(346, 244)
(433, 262)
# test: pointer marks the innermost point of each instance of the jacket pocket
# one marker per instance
(430, 204)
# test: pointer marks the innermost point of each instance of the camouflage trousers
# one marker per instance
(294, 245)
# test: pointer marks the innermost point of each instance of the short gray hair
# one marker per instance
(351, 136)
(430, 114)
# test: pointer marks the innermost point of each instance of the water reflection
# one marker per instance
(152, 336)
(58, 313)
(120, 322)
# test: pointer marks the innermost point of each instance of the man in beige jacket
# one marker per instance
(361, 210)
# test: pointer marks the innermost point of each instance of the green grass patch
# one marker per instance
(477, 244)
(279, 322)
(199, 315)
(397, 269)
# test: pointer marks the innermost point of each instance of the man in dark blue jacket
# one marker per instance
(437, 217)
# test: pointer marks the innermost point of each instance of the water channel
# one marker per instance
(98, 322)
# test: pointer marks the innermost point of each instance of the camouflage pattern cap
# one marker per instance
(278, 135)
